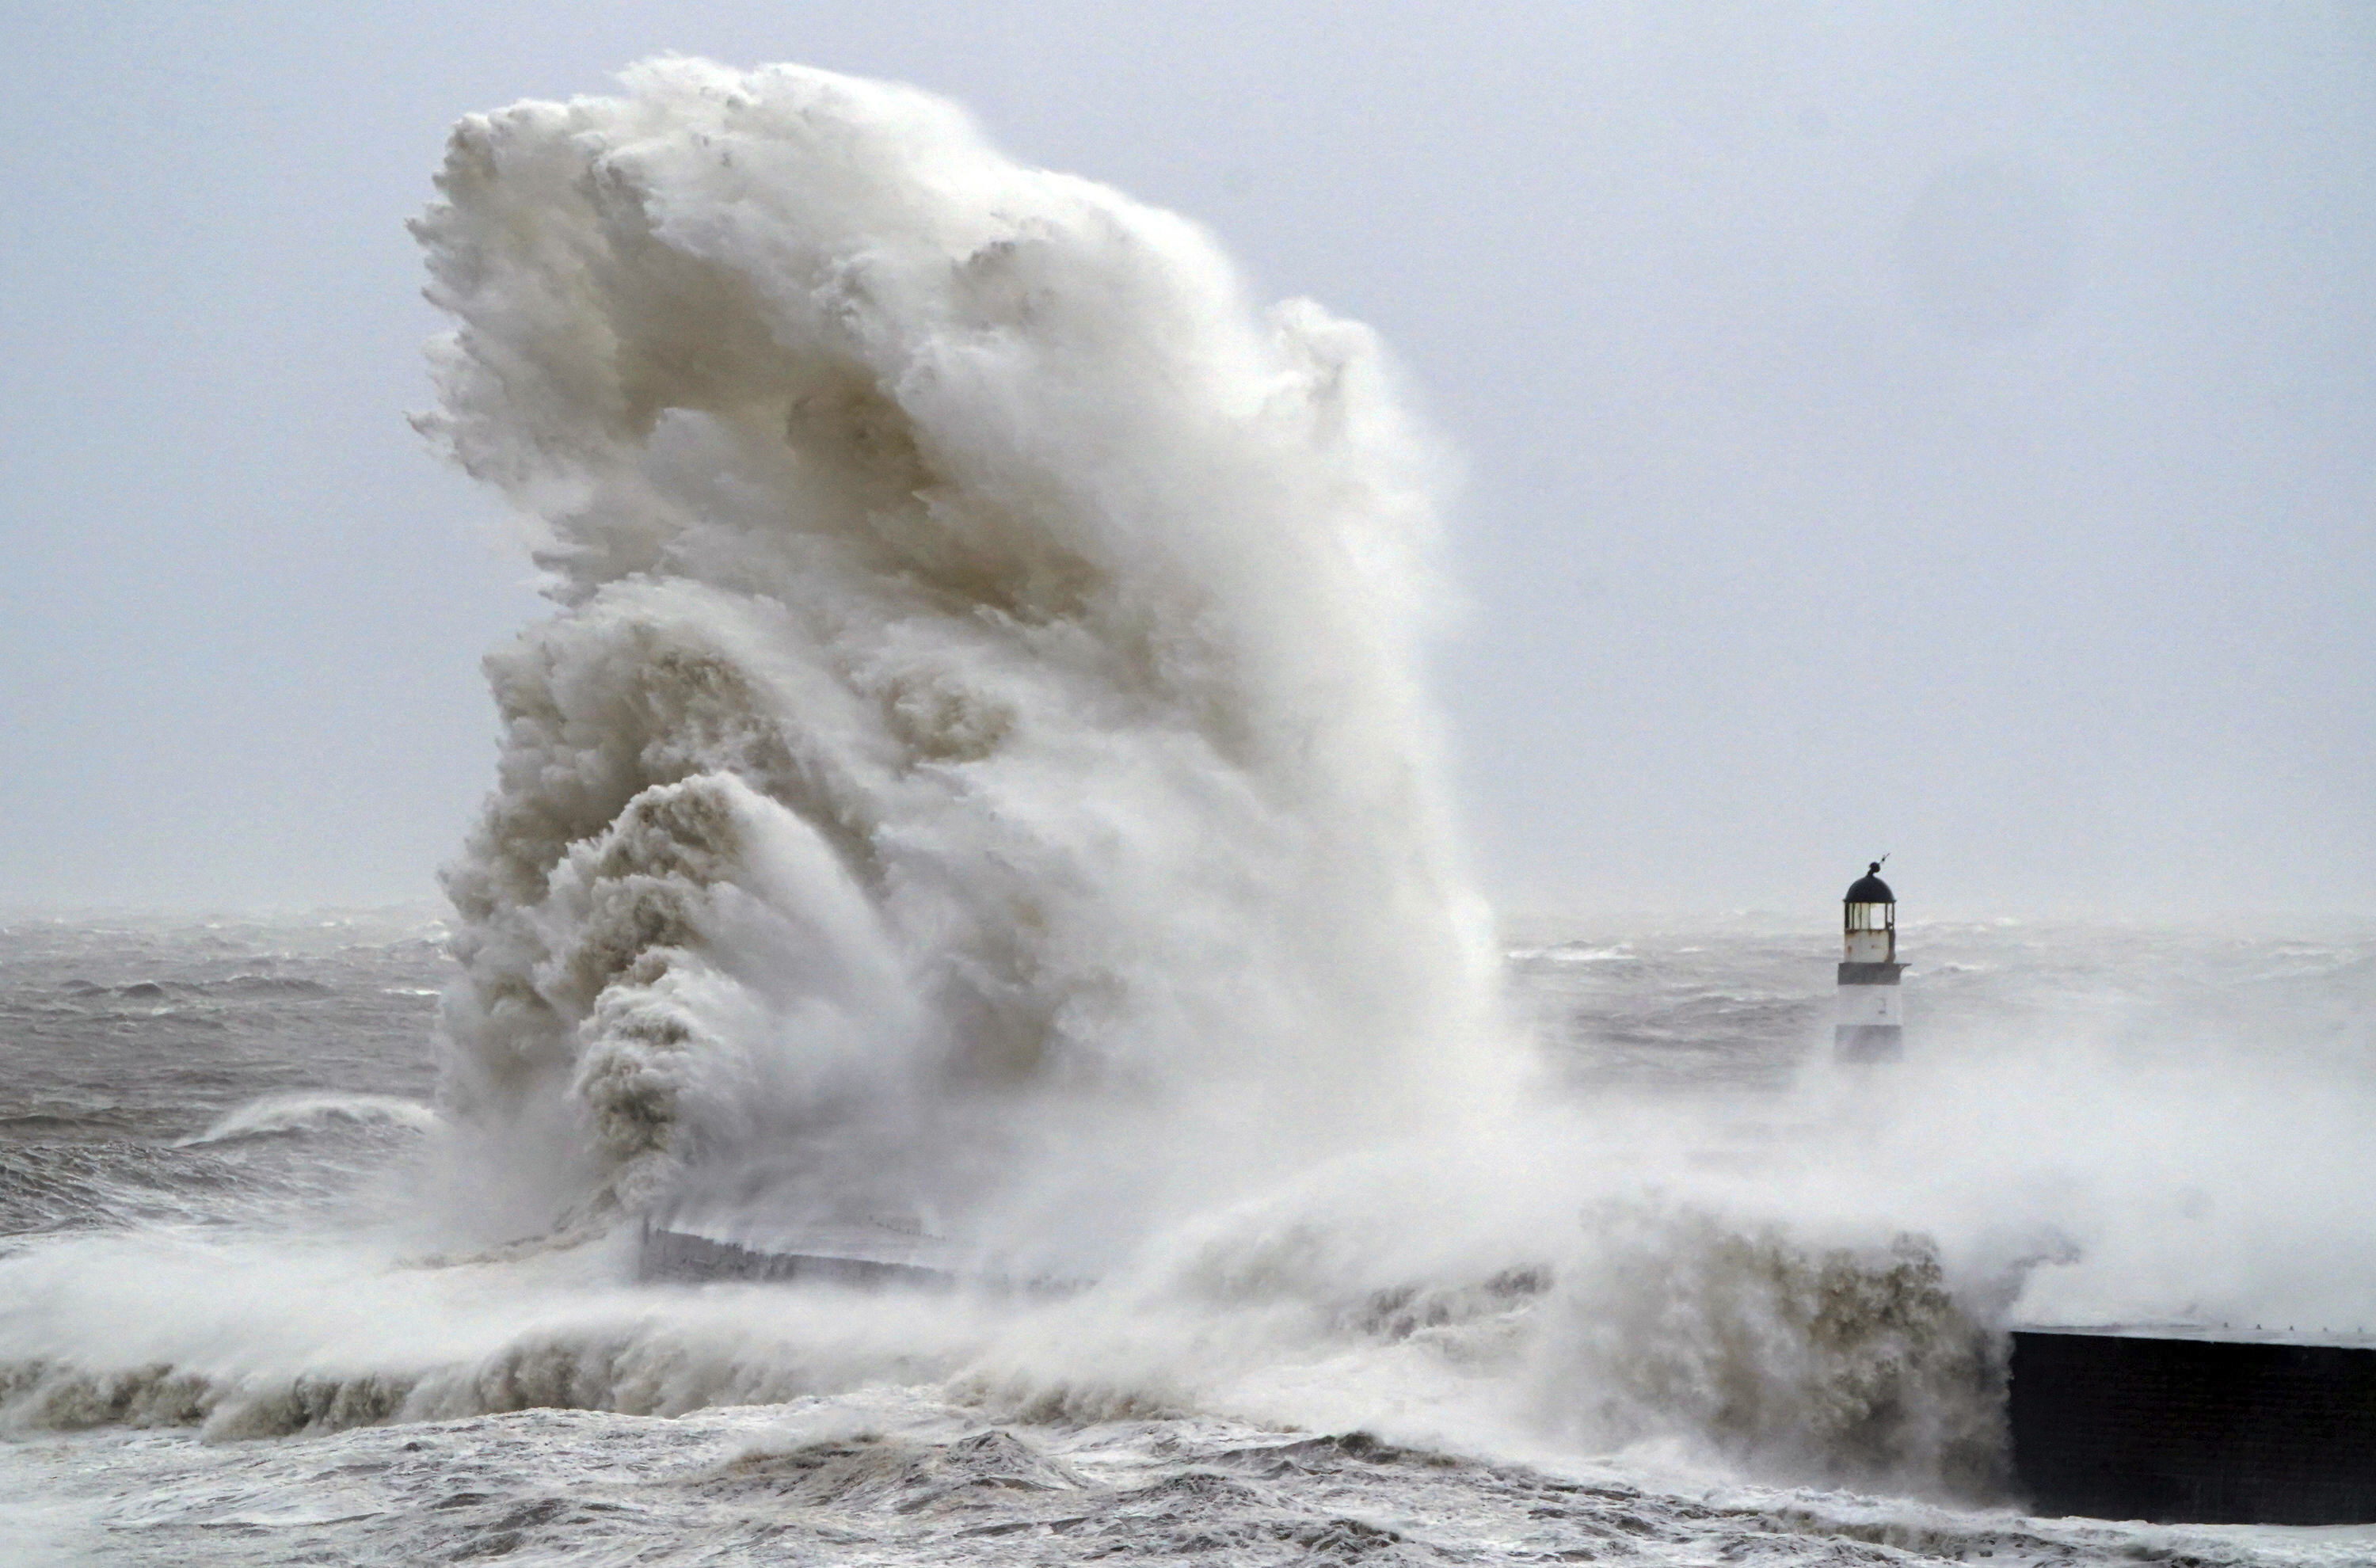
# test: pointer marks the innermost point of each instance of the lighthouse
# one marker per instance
(1870, 1025)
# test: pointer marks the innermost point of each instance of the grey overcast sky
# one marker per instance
(1947, 429)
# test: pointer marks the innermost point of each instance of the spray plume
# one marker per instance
(979, 722)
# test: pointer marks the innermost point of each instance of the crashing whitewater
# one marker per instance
(979, 743)
(977, 771)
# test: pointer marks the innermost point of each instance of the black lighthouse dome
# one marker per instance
(1869, 888)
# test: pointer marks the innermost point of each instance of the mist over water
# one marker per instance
(975, 774)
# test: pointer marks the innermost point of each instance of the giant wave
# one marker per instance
(979, 743)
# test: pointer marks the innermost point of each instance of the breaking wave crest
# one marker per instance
(1837, 1365)
(283, 1113)
(1656, 1329)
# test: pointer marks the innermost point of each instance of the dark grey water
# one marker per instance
(220, 1341)
(127, 1042)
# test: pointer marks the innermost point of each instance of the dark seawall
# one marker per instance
(664, 1254)
(2121, 1426)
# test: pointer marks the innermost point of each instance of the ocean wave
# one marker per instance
(107, 1183)
(637, 1354)
(1846, 1365)
(1833, 1364)
(981, 735)
(308, 1111)
(1575, 953)
(259, 985)
(896, 1476)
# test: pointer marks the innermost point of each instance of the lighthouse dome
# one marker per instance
(1869, 889)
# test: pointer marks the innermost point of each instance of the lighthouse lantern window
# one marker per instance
(1872, 917)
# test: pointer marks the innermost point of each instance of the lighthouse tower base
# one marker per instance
(1869, 1026)
(1868, 1042)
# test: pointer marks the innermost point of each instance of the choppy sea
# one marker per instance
(228, 1332)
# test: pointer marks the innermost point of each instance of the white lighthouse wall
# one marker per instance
(1869, 1004)
(1869, 947)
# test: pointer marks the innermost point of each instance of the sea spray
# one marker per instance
(977, 770)
(978, 757)
(1742, 1342)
